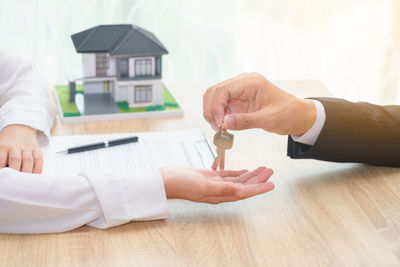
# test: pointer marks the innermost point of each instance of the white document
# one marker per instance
(152, 151)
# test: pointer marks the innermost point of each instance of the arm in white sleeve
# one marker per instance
(312, 134)
(24, 97)
(32, 203)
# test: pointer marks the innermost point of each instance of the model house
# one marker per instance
(122, 61)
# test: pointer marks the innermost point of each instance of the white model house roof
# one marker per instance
(118, 40)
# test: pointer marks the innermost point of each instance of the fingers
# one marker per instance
(206, 108)
(27, 161)
(3, 157)
(244, 177)
(14, 159)
(216, 99)
(231, 184)
(214, 107)
(219, 103)
(38, 161)
(261, 177)
(241, 192)
(224, 173)
(242, 121)
(254, 189)
(231, 173)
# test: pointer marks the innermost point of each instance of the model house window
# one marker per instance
(124, 67)
(158, 66)
(143, 67)
(143, 93)
(101, 64)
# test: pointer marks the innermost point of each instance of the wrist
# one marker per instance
(167, 177)
(19, 128)
(308, 115)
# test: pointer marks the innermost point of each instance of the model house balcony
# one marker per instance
(138, 68)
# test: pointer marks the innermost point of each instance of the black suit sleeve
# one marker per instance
(354, 132)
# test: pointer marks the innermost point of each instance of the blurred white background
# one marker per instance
(352, 46)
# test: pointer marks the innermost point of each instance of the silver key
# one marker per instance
(223, 141)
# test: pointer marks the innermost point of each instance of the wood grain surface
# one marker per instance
(320, 214)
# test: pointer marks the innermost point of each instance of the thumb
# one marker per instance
(241, 121)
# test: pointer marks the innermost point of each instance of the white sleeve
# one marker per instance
(32, 203)
(24, 97)
(312, 135)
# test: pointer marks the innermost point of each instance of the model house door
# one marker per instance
(106, 87)
(101, 64)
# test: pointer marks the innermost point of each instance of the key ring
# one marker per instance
(222, 127)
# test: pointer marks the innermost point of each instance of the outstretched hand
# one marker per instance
(202, 185)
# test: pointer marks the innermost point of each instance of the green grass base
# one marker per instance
(70, 109)
(124, 108)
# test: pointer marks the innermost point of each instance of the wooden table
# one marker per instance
(319, 214)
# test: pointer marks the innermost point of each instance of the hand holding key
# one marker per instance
(223, 141)
(251, 101)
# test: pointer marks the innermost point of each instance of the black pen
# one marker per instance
(116, 142)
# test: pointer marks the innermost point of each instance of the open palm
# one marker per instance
(202, 185)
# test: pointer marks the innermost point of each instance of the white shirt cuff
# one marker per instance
(35, 112)
(312, 135)
(126, 197)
